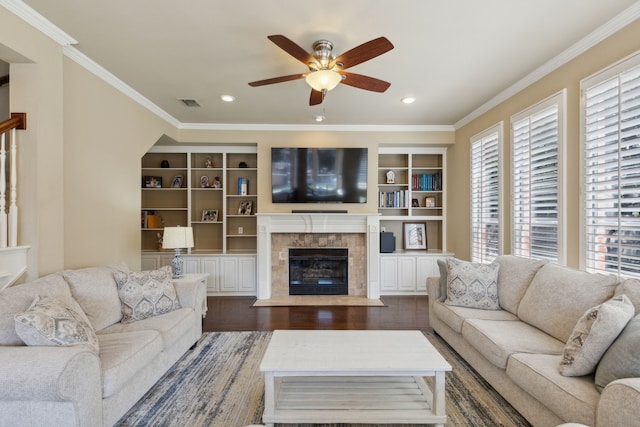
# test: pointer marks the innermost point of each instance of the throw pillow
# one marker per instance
(471, 284)
(598, 327)
(442, 266)
(50, 322)
(146, 293)
(622, 359)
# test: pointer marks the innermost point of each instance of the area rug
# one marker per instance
(218, 384)
(318, 301)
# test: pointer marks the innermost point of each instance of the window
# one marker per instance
(537, 137)
(485, 195)
(611, 169)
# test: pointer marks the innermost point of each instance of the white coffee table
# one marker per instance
(353, 377)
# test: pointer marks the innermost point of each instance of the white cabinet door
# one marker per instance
(247, 274)
(211, 267)
(407, 273)
(425, 268)
(388, 273)
(191, 265)
(229, 276)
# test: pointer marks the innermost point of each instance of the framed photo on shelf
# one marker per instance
(430, 202)
(244, 208)
(177, 181)
(414, 203)
(414, 235)
(153, 182)
(210, 215)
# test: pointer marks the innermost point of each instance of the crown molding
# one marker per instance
(33, 18)
(101, 72)
(314, 128)
(614, 25)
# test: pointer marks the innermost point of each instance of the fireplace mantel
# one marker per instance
(267, 224)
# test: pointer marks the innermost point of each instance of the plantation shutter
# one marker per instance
(485, 198)
(612, 173)
(535, 184)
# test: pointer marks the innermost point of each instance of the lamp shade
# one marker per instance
(323, 79)
(177, 238)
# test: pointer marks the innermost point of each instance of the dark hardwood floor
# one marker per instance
(237, 314)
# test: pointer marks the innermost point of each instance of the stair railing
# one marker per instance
(9, 217)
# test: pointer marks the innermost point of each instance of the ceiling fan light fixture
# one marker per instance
(408, 100)
(323, 80)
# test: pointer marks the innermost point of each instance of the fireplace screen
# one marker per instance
(318, 271)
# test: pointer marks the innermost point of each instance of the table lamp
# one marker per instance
(177, 238)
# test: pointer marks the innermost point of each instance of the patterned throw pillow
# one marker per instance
(146, 293)
(598, 327)
(471, 284)
(49, 322)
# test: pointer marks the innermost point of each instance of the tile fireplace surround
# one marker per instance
(360, 233)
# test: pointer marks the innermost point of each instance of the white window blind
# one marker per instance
(536, 136)
(611, 152)
(485, 195)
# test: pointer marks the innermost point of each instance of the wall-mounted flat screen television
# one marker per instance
(319, 175)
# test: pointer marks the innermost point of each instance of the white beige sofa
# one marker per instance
(518, 348)
(72, 386)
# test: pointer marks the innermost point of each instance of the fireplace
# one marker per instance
(318, 271)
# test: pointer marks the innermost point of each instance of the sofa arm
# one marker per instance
(53, 374)
(433, 288)
(192, 294)
(619, 403)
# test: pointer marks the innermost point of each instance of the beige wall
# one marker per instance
(616, 47)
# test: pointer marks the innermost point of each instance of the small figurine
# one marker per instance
(204, 181)
(216, 182)
(208, 163)
(391, 177)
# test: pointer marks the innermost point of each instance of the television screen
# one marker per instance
(319, 175)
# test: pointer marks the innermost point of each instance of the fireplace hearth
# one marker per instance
(318, 271)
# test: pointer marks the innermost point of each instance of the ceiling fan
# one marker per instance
(326, 71)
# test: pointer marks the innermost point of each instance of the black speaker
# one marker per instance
(387, 242)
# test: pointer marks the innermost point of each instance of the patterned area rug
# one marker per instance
(218, 384)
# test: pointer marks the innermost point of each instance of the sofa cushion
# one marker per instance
(558, 296)
(146, 293)
(95, 290)
(498, 340)
(630, 288)
(471, 284)
(593, 334)
(171, 326)
(48, 322)
(575, 398)
(622, 358)
(16, 299)
(454, 317)
(514, 277)
(123, 355)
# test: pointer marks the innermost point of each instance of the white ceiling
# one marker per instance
(453, 56)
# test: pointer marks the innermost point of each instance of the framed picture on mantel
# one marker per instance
(414, 235)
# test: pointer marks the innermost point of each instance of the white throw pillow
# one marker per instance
(471, 284)
(595, 331)
(146, 293)
(49, 322)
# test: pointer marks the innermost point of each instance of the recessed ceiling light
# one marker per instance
(227, 98)
(408, 100)
(318, 118)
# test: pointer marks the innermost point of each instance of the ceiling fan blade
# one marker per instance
(292, 49)
(277, 80)
(316, 97)
(364, 52)
(364, 82)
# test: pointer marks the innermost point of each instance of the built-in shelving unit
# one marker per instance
(416, 193)
(198, 186)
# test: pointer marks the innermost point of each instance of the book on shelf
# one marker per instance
(426, 182)
(393, 199)
(243, 186)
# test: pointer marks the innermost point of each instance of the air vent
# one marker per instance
(189, 102)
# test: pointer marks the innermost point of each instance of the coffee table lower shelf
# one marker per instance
(352, 399)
